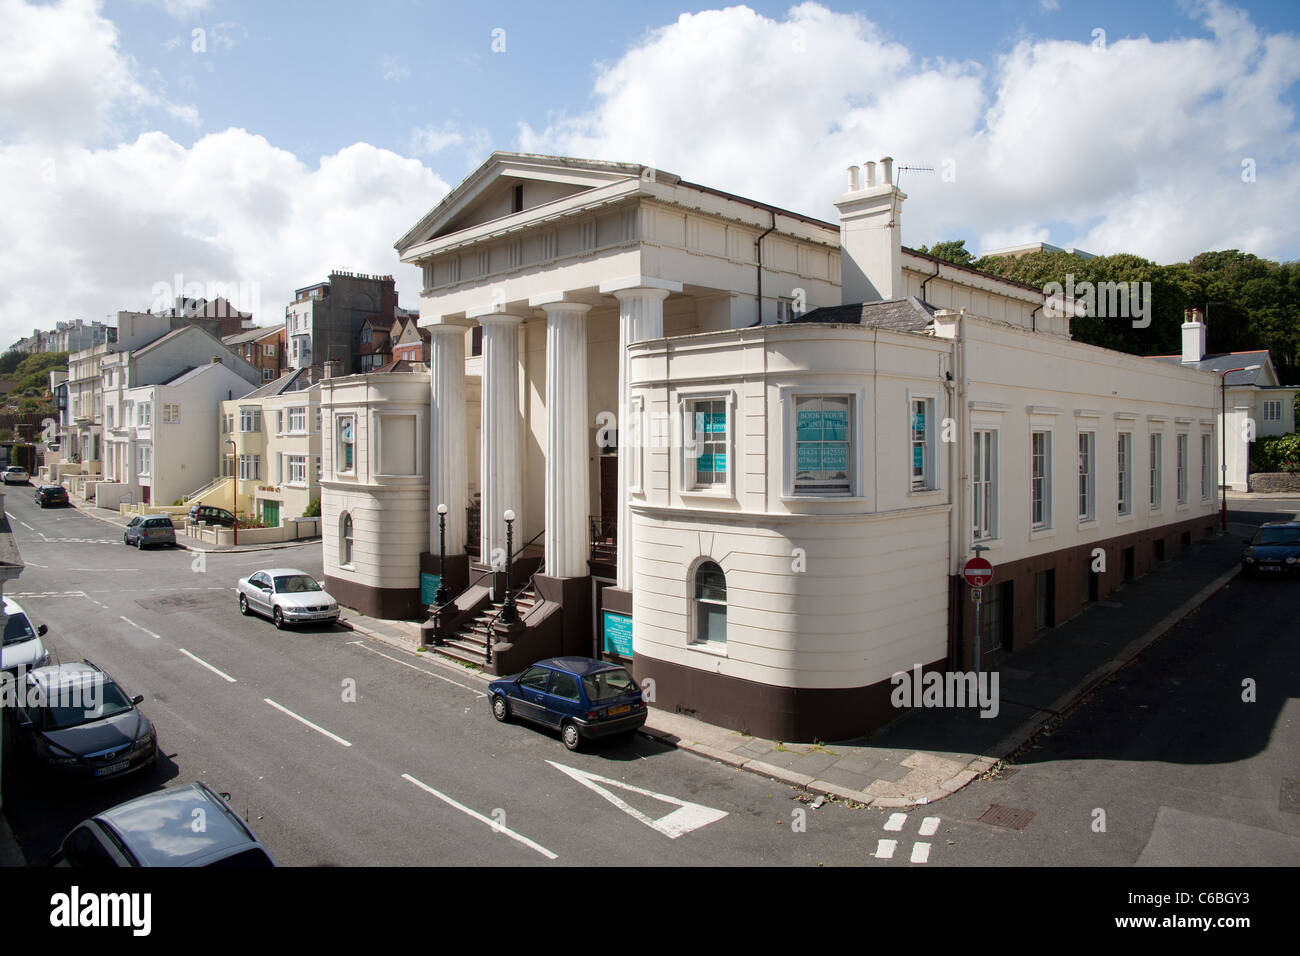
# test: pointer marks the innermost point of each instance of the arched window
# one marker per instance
(710, 604)
(345, 539)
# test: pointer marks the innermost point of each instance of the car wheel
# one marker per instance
(243, 605)
(500, 708)
(572, 738)
(278, 616)
(125, 540)
(139, 543)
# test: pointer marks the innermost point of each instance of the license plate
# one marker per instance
(615, 711)
(114, 768)
(1266, 567)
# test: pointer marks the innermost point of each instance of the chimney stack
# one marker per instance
(871, 250)
(854, 186)
(331, 368)
(1194, 333)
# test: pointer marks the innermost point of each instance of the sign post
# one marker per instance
(977, 572)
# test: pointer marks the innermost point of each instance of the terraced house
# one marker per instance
(744, 449)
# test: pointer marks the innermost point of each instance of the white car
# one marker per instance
(14, 475)
(286, 596)
(21, 647)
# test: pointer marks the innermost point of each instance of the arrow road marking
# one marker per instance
(687, 816)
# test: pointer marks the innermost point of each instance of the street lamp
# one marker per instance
(1223, 441)
(234, 488)
(508, 613)
(441, 597)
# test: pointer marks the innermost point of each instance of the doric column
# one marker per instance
(500, 476)
(640, 317)
(568, 480)
(448, 478)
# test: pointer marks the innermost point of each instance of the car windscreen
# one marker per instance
(71, 706)
(295, 584)
(1278, 536)
(606, 685)
(16, 629)
(251, 859)
(159, 523)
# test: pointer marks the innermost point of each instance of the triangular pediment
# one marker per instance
(510, 183)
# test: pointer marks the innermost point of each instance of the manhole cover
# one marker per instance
(1010, 817)
(1290, 801)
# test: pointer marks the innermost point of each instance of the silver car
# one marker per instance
(21, 648)
(286, 596)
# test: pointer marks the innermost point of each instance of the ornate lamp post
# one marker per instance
(442, 596)
(1223, 441)
(509, 614)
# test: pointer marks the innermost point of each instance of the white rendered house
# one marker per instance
(751, 450)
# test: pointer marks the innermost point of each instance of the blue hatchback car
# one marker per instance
(582, 698)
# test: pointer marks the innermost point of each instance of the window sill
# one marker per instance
(1183, 507)
(797, 497)
(1087, 524)
(708, 647)
(1126, 518)
(1037, 534)
(924, 492)
(722, 493)
(991, 543)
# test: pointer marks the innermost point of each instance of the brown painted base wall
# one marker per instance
(399, 604)
(790, 714)
(1073, 569)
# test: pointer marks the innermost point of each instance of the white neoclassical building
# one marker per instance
(747, 450)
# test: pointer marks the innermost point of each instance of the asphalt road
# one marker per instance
(344, 751)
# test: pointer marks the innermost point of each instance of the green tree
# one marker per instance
(954, 251)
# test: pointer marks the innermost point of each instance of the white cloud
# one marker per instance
(180, 9)
(1135, 147)
(431, 140)
(227, 35)
(90, 231)
(393, 69)
(64, 79)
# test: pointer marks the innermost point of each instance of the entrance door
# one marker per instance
(605, 537)
(271, 513)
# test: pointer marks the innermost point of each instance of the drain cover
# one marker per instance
(1009, 817)
(1290, 800)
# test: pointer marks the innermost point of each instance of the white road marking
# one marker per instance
(199, 660)
(137, 626)
(304, 720)
(920, 852)
(687, 817)
(929, 826)
(363, 646)
(26, 525)
(885, 849)
(499, 828)
(895, 822)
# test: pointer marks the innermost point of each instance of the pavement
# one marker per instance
(928, 754)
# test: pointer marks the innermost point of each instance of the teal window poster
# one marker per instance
(835, 457)
(429, 588)
(618, 633)
(918, 457)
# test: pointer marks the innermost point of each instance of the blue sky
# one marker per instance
(309, 136)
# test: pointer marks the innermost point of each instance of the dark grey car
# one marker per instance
(149, 530)
(181, 826)
(77, 723)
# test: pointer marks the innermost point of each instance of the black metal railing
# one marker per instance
(604, 539)
(518, 591)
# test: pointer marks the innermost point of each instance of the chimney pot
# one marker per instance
(1198, 315)
(887, 171)
(853, 179)
(871, 174)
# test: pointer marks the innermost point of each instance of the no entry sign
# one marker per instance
(977, 572)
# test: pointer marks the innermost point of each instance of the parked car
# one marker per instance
(145, 530)
(13, 475)
(49, 495)
(582, 698)
(212, 515)
(21, 648)
(77, 723)
(286, 596)
(1275, 549)
(158, 830)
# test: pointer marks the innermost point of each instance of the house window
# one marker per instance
(279, 422)
(108, 416)
(984, 484)
(269, 350)
(1124, 457)
(1181, 449)
(250, 467)
(316, 458)
(345, 540)
(297, 469)
(709, 426)
(1087, 476)
(250, 419)
(316, 426)
(1041, 479)
(268, 374)
(1207, 463)
(345, 456)
(922, 444)
(298, 420)
(144, 460)
(171, 413)
(1155, 471)
(710, 604)
(1272, 411)
(145, 411)
(822, 445)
